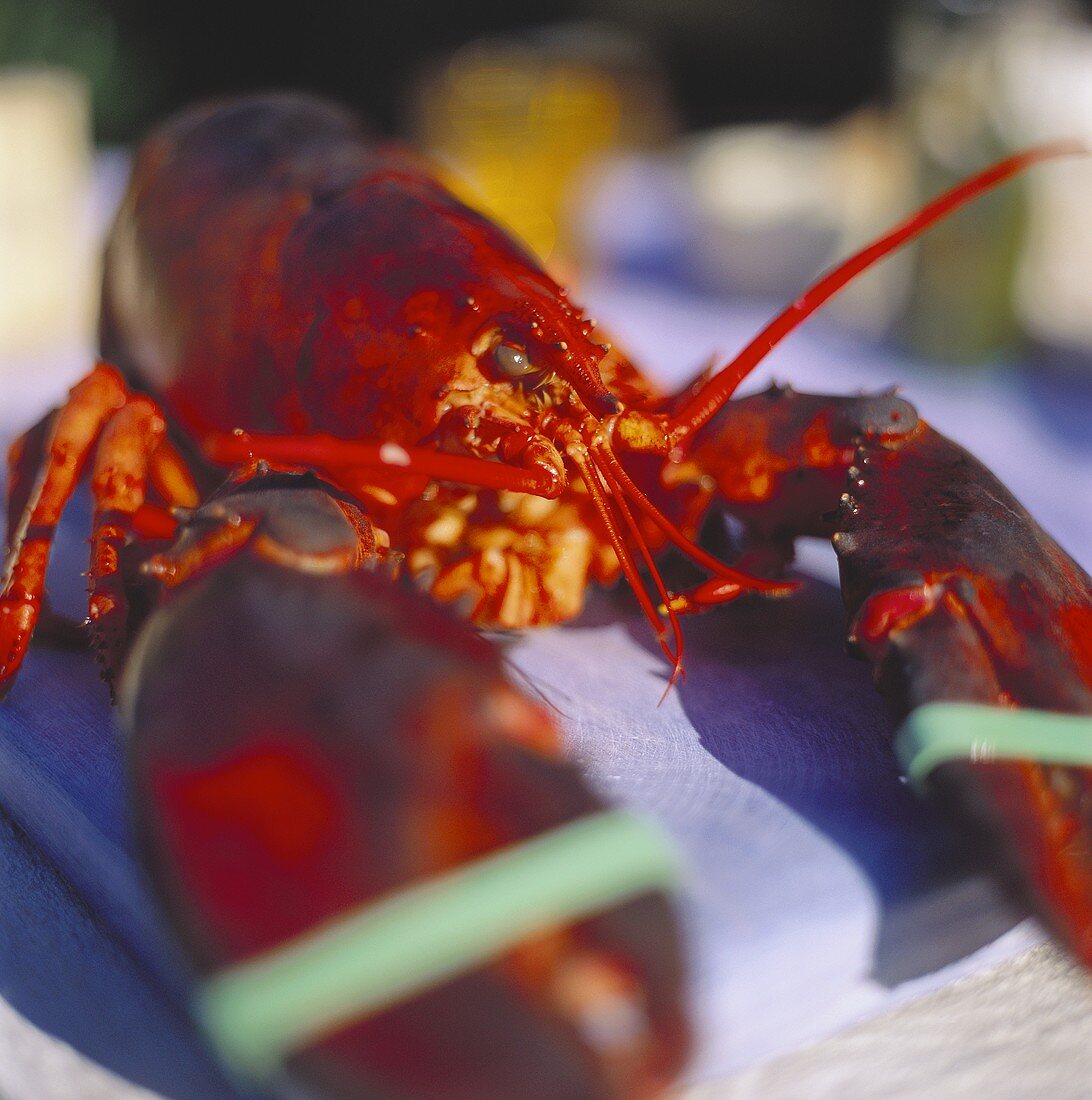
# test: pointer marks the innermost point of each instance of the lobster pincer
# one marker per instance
(369, 843)
(776, 461)
(977, 624)
(977, 621)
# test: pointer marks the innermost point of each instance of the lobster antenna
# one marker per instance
(745, 583)
(675, 656)
(602, 494)
(702, 406)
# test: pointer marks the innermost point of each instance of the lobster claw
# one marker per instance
(370, 845)
(957, 596)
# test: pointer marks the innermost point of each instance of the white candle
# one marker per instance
(46, 254)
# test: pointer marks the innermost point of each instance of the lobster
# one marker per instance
(281, 296)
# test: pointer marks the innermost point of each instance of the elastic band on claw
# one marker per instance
(261, 1010)
(937, 733)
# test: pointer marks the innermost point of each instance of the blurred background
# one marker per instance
(729, 148)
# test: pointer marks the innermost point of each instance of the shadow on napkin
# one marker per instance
(774, 697)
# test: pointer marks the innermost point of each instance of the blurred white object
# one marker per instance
(1009, 75)
(760, 192)
(46, 261)
(760, 212)
(780, 204)
(1048, 62)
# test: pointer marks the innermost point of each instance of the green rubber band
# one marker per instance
(260, 1010)
(937, 733)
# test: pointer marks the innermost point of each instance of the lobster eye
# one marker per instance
(513, 361)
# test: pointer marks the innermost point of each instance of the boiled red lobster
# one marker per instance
(284, 298)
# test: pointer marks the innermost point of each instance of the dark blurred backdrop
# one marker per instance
(725, 60)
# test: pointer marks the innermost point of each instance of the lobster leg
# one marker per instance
(123, 431)
(337, 456)
(24, 461)
(128, 455)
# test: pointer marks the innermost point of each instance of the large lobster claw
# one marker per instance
(958, 596)
(955, 595)
(370, 845)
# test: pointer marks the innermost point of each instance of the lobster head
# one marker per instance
(537, 338)
(461, 275)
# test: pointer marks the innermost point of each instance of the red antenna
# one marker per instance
(708, 401)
